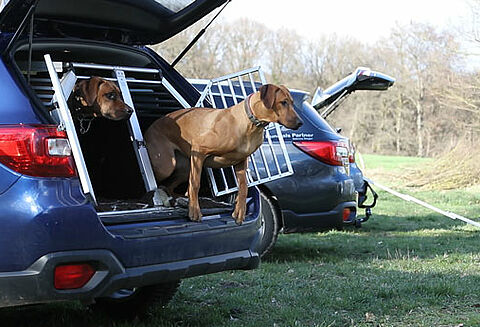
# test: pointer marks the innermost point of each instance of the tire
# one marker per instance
(131, 303)
(270, 220)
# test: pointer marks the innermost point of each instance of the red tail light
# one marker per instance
(68, 277)
(330, 152)
(346, 214)
(351, 155)
(36, 150)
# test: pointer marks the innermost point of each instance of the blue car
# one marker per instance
(80, 215)
(326, 101)
(326, 186)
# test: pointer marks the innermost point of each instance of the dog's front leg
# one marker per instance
(196, 164)
(241, 202)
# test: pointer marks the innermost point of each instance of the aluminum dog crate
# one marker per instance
(271, 160)
(62, 90)
(268, 163)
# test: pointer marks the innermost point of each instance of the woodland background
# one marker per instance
(432, 109)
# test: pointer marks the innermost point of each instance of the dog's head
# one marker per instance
(104, 97)
(279, 104)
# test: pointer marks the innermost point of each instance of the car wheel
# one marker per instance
(270, 220)
(131, 303)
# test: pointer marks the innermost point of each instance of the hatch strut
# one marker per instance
(196, 38)
(334, 104)
(30, 43)
(21, 27)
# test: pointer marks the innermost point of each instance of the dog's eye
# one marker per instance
(284, 103)
(111, 95)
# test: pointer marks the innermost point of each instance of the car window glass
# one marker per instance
(175, 5)
(314, 117)
(3, 3)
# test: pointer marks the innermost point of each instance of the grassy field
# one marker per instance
(406, 266)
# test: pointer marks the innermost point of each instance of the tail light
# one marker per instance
(330, 152)
(351, 155)
(36, 150)
(346, 214)
(68, 277)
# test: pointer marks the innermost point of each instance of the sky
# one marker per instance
(365, 20)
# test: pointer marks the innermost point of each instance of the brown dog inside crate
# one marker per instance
(98, 97)
(216, 138)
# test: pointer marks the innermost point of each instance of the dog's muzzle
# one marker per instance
(296, 125)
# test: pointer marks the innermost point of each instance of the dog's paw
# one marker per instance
(161, 197)
(239, 214)
(194, 213)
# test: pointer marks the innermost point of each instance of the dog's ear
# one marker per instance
(286, 91)
(89, 89)
(267, 95)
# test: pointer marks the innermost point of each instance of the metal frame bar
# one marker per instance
(70, 130)
(233, 75)
(136, 134)
(275, 159)
(112, 68)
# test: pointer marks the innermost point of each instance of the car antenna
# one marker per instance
(198, 36)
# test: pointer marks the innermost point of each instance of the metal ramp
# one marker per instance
(62, 90)
(271, 160)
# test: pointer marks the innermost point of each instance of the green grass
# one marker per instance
(375, 161)
(407, 266)
(395, 171)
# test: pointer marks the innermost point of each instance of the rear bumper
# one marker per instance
(317, 221)
(36, 283)
(45, 223)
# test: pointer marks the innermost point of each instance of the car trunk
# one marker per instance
(122, 192)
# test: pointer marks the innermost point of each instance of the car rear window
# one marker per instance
(3, 3)
(174, 5)
(314, 117)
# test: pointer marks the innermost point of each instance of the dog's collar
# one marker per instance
(83, 114)
(79, 110)
(257, 122)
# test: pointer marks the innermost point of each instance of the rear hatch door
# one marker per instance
(118, 21)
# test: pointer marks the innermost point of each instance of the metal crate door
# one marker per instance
(271, 160)
(125, 77)
(66, 123)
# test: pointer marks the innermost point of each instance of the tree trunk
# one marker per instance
(419, 112)
(398, 125)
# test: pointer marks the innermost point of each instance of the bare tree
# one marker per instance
(206, 58)
(284, 51)
(433, 103)
(245, 44)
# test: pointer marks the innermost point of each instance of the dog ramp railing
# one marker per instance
(119, 75)
(271, 160)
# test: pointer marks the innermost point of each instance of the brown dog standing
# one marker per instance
(217, 138)
(97, 97)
